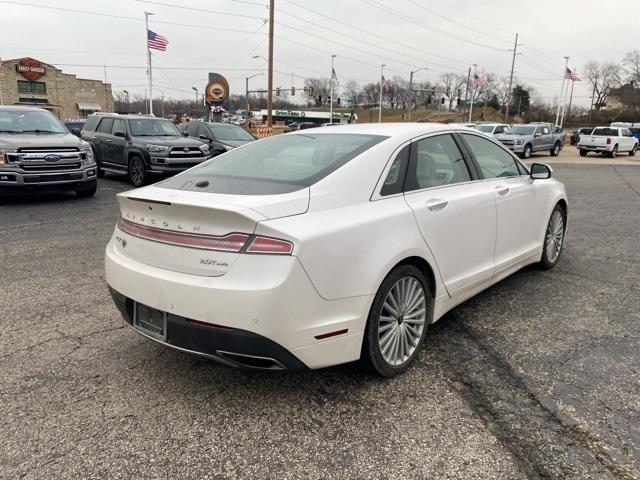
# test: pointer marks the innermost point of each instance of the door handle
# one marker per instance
(502, 190)
(108, 140)
(435, 205)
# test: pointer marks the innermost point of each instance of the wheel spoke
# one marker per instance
(391, 310)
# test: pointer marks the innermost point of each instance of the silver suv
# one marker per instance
(39, 154)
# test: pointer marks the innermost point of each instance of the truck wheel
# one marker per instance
(583, 153)
(527, 151)
(137, 171)
(614, 153)
(555, 151)
(632, 153)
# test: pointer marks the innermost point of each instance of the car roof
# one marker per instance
(16, 108)
(387, 129)
(127, 116)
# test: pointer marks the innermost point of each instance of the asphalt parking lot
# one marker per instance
(538, 376)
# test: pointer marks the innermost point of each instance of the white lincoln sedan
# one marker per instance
(329, 245)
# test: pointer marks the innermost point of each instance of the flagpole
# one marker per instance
(475, 74)
(331, 100)
(146, 22)
(564, 77)
(380, 103)
(564, 104)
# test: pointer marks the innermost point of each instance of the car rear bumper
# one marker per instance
(16, 181)
(595, 148)
(264, 306)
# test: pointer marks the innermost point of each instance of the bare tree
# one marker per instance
(453, 85)
(352, 92)
(370, 93)
(321, 87)
(602, 76)
(631, 66)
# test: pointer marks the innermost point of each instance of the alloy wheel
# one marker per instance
(137, 171)
(402, 321)
(554, 236)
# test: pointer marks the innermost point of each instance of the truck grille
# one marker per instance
(507, 142)
(47, 159)
(182, 152)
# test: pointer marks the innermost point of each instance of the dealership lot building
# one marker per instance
(27, 81)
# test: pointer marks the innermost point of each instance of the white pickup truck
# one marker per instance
(609, 141)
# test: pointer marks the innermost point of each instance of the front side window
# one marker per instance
(152, 127)
(545, 130)
(105, 125)
(436, 161)
(493, 160)
(119, 125)
(223, 132)
(278, 164)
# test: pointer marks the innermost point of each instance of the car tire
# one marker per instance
(583, 153)
(632, 153)
(554, 238)
(614, 153)
(555, 151)
(137, 171)
(87, 192)
(391, 351)
(526, 153)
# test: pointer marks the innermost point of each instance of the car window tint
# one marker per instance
(493, 160)
(395, 178)
(119, 125)
(105, 125)
(436, 161)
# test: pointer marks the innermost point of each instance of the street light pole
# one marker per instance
(270, 73)
(197, 96)
(127, 94)
(411, 92)
(247, 89)
(380, 102)
(473, 91)
(331, 96)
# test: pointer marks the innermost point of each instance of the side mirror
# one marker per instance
(75, 130)
(540, 171)
(120, 133)
(185, 133)
(537, 135)
(205, 137)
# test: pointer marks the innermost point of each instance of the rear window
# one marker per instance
(585, 131)
(278, 164)
(605, 132)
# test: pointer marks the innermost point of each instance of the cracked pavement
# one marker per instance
(537, 377)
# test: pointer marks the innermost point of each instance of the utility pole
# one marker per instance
(146, 39)
(331, 95)
(466, 93)
(380, 102)
(513, 66)
(561, 100)
(270, 73)
(127, 95)
(593, 96)
(473, 90)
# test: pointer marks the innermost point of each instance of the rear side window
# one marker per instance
(605, 132)
(105, 125)
(395, 178)
(493, 160)
(91, 123)
(278, 164)
(436, 161)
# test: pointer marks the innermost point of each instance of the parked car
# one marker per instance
(635, 131)
(75, 125)
(526, 139)
(609, 141)
(493, 128)
(38, 154)
(141, 146)
(574, 138)
(221, 137)
(331, 245)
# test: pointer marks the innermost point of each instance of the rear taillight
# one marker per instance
(608, 141)
(229, 243)
(269, 245)
(233, 242)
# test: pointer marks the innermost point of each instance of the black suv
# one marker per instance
(221, 137)
(140, 146)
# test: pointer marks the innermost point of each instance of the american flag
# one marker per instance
(572, 75)
(334, 76)
(384, 83)
(155, 41)
(478, 81)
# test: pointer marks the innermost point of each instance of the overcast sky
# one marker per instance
(446, 35)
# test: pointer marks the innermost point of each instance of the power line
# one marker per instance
(402, 16)
(483, 21)
(217, 12)
(479, 32)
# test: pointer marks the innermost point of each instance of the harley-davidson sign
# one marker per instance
(31, 69)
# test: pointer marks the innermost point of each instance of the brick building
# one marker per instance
(26, 81)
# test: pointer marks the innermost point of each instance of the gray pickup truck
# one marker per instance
(39, 154)
(534, 137)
